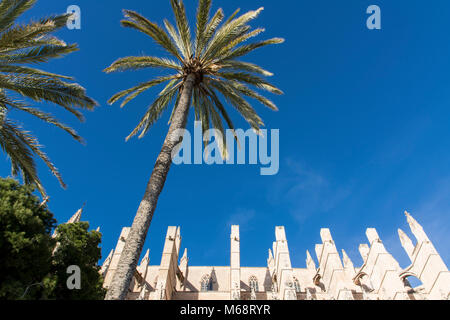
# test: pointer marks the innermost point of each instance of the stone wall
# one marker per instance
(380, 277)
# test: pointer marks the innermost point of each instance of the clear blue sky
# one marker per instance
(364, 132)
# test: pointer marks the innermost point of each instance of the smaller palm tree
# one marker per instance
(21, 46)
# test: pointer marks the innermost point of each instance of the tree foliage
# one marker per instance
(28, 267)
(25, 241)
(77, 246)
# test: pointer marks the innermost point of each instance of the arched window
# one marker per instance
(206, 283)
(296, 285)
(253, 283)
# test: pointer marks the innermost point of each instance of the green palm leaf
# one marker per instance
(154, 112)
(140, 23)
(183, 26)
(20, 146)
(33, 43)
(136, 63)
(133, 92)
(204, 8)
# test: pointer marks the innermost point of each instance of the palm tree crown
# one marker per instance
(211, 58)
(20, 46)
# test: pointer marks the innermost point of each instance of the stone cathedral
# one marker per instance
(333, 278)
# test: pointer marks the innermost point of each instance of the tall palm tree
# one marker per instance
(20, 47)
(204, 69)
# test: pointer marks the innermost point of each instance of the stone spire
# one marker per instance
(372, 235)
(167, 273)
(106, 263)
(270, 255)
(115, 257)
(348, 264)
(142, 268)
(183, 268)
(235, 263)
(146, 259)
(364, 251)
(310, 264)
(407, 243)
(184, 257)
(325, 235)
(319, 248)
(178, 241)
(416, 229)
(271, 262)
(74, 219)
(283, 266)
(77, 216)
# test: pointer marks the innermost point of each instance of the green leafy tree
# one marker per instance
(25, 241)
(80, 247)
(30, 267)
(203, 69)
(22, 46)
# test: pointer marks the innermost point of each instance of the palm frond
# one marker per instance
(30, 71)
(64, 94)
(245, 49)
(217, 124)
(182, 25)
(243, 66)
(38, 54)
(49, 118)
(203, 10)
(7, 103)
(210, 29)
(229, 32)
(233, 15)
(136, 90)
(135, 63)
(242, 37)
(176, 38)
(250, 79)
(204, 115)
(243, 89)
(20, 146)
(10, 10)
(154, 112)
(22, 36)
(242, 106)
(220, 107)
(142, 24)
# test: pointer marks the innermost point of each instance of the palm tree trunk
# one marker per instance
(138, 232)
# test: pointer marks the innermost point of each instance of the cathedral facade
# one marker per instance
(334, 277)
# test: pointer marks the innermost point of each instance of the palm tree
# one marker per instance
(20, 47)
(203, 70)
